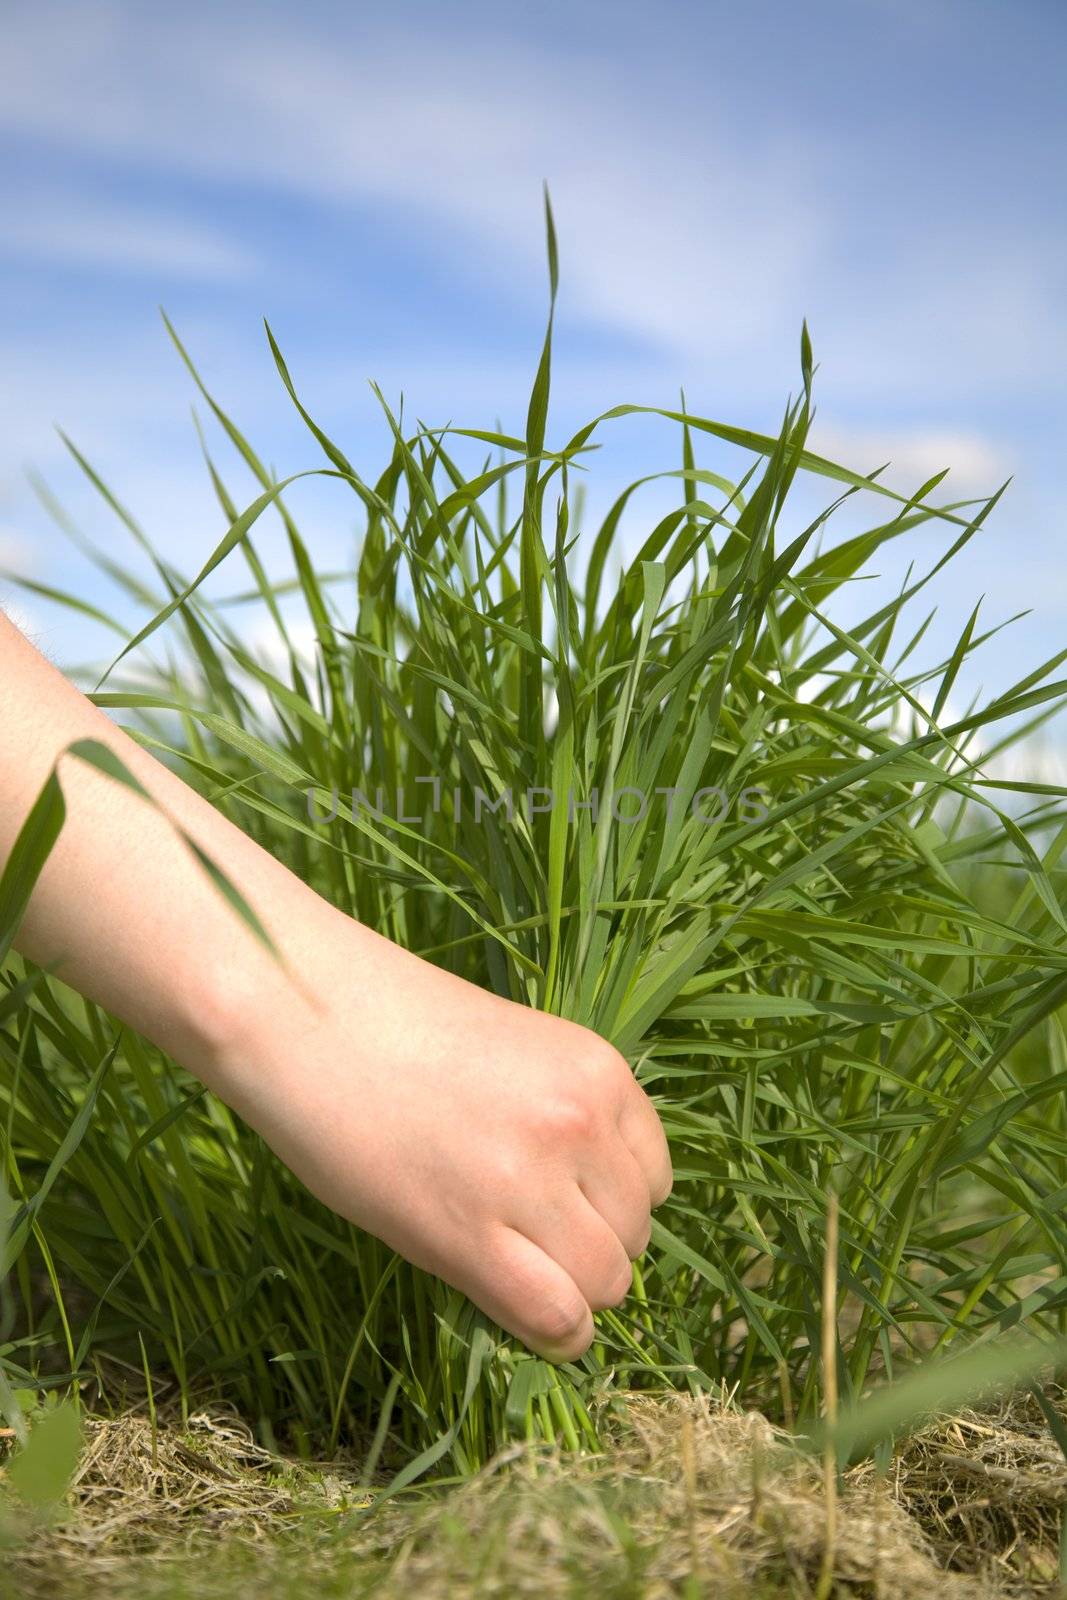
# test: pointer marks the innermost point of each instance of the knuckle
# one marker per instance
(642, 1240)
(568, 1119)
(558, 1322)
(616, 1288)
(665, 1187)
(624, 1281)
(607, 1067)
(637, 1232)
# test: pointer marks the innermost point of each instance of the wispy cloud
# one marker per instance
(708, 238)
(16, 554)
(976, 464)
(693, 245)
(706, 202)
(60, 228)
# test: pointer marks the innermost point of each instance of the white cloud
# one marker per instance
(657, 239)
(15, 552)
(706, 240)
(977, 465)
(57, 228)
(696, 234)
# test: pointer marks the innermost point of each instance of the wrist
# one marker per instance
(252, 1016)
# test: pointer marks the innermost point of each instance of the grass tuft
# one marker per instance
(830, 944)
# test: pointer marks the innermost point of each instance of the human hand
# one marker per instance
(507, 1151)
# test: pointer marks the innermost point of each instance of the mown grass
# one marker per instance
(693, 1498)
(819, 989)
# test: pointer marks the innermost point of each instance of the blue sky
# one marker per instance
(368, 177)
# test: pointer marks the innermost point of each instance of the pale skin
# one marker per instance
(510, 1152)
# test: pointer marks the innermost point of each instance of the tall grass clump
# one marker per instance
(791, 936)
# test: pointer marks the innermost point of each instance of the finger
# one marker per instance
(573, 1233)
(517, 1284)
(642, 1130)
(616, 1188)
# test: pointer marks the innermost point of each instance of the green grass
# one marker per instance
(839, 988)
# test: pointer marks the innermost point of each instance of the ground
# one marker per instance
(693, 1499)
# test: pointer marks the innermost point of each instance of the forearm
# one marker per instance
(123, 911)
(510, 1151)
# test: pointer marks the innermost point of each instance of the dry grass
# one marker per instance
(694, 1499)
(990, 1490)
